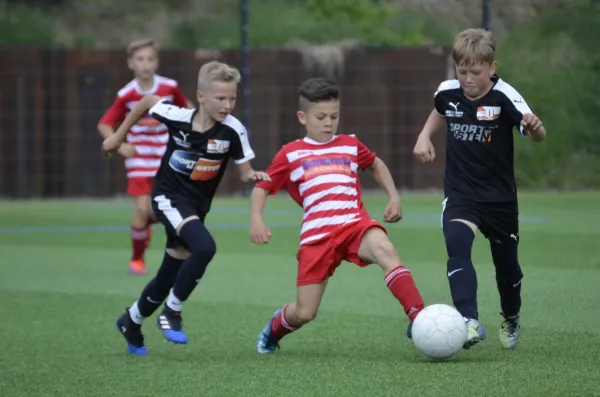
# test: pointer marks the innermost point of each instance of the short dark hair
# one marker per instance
(318, 89)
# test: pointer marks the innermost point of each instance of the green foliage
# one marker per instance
(560, 82)
(277, 23)
(24, 26)
(369, 18)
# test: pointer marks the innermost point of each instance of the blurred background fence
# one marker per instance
(52, 100)
(62, 62)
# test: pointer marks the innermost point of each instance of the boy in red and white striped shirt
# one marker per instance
(146, 141)
(320, 172)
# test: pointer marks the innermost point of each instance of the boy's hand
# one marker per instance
(424, 150)
(126, 150)
(111, 144)
(259, 232)
(259, 176)
(531, 122)
(393, 211)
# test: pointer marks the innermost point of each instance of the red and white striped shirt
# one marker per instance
(149, 136)
(323, 179)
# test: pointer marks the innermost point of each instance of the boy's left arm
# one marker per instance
(383, 176)
(368, 160)
(533, 127)
(523, 118)
(242, 153)
(247, 173)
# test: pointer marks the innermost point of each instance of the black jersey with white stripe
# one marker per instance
(194, 162)
(480, 145)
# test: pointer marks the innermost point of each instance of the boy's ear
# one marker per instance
(493, 68)
(301, 117)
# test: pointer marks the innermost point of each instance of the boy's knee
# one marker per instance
(509, 271)
(305, 314)
(384, 247)
(459, 239)
(381, 251)
(142, 205)
(205, 246)
(198, 239)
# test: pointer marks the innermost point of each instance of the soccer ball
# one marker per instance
(439, 331)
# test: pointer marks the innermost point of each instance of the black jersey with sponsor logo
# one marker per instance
(194, 162)
(480, 145)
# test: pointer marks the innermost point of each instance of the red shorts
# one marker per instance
(318, 261)
(140, 186)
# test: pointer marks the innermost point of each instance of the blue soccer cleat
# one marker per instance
(132, 333)
(171, 325)
(475, 332)
(266, 344)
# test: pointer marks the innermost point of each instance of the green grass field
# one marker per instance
(63, 282)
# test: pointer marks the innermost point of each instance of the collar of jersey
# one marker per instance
(313, 142)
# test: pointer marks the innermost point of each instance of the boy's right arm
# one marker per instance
(105, 130)
(435, 122)
(114, 141)
(279, 173)
(424, 149)
(112, 117)
(259, 232)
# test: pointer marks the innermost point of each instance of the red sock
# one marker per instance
(139, 238)
(280, 327)
(403, 287)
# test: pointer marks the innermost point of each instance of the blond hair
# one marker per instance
(217, 72)
(139, 44)
(474, 46)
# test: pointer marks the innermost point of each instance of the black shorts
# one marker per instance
(496, 221)
(171, 210)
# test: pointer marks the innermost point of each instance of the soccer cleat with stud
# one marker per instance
(137, 266)
(266, 344)
(475, 332)
(414, 312)
(510, 331)
(132, 333)
(171, 324)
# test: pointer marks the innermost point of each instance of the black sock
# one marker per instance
(202, 248)
(157, 290)
(461, 273)
(508, 276)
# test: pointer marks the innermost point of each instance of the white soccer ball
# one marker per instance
(439, 331)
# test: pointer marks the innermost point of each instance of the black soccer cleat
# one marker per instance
(132, 333)
(171, 325)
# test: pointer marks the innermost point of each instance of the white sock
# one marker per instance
(173, 302)
(134, 313)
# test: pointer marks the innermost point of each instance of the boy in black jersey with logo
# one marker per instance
(480, 111)
(201, 142)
